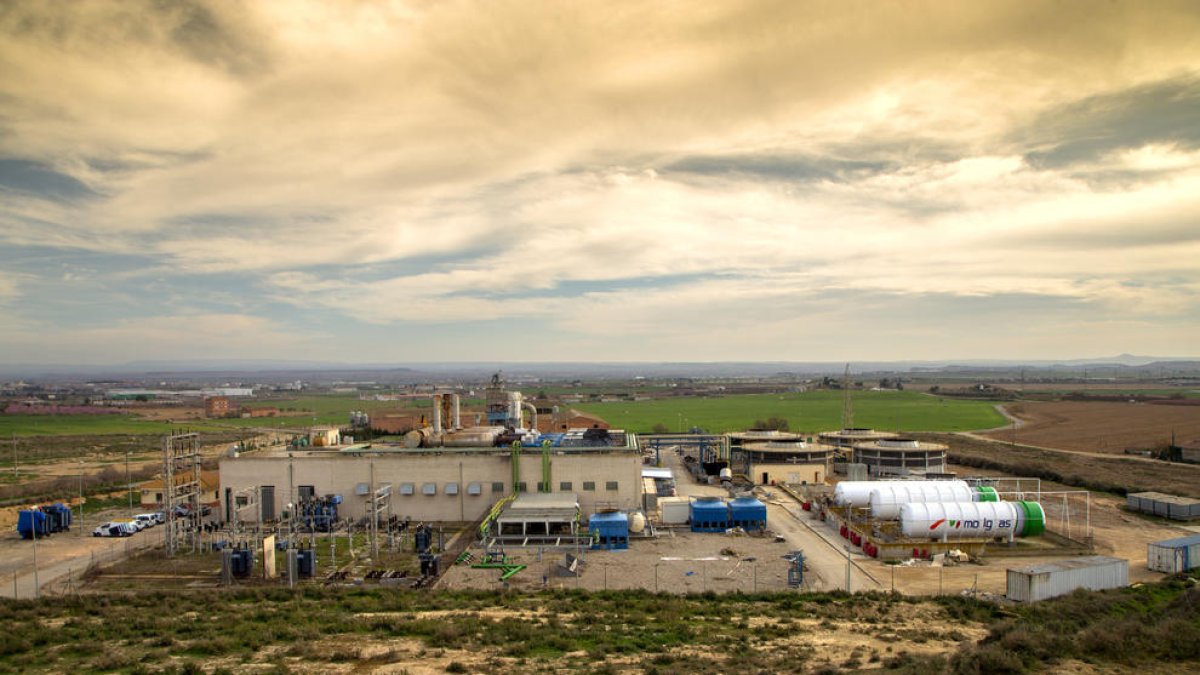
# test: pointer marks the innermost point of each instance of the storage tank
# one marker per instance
(858, 492)
(886, 499)
(637, 523)
(609, 530)
(709, 515)
(748, 513)
(935, 520)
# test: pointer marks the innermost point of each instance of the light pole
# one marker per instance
(129, 484)
(80, 499)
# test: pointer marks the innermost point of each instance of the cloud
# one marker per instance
(454, 165)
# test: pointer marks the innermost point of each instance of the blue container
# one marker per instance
(610, 531)
(709, 515)
(306, 562)
(243, 562)
(31, 523)
(59, 516)
(748, 513)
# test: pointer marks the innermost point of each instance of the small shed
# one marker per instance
(1174, 556)
(748, 513)
(610, 531)
(1165, 505)
(709, 515)
(1040, 582)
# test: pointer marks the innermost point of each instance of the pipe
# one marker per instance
(545, 466)
(437, 413)
(456, 412)
(516, 466)
(532, 426)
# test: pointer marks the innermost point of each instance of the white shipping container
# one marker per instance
(1174, 556)
(1040, 582)
(673, 510)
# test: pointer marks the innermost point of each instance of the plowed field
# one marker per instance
(1102, 427)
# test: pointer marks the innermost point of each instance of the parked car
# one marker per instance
(149, 519)
(137, 525)
(112, 530)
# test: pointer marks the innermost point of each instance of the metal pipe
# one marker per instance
(533, 408)
(437, 413)
(456, 414)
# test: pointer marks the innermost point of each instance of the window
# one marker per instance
(429, 489)
(610, 485)
(474, 488)
(542, 487)
(565, 486)
(406, 488)
(497, 487)
(241, 500)
(589, 485)
(451, 488)
(521, 487)
(307, 492)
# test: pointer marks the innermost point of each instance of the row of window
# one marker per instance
(499, 487)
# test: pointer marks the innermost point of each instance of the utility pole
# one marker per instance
(129, 484)
(14, 449)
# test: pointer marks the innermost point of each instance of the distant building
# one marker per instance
(266, 411)
(216, 406)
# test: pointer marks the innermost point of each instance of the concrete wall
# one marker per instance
(787, 473)
(330, 473)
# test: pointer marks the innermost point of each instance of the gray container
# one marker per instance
(1039, 582)
(1174, 556)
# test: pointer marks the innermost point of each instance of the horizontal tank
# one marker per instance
(957, 520)
(886, 499)
(858, 492)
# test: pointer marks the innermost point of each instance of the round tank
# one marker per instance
(637, 523)
(972, 519)
(726, 474)
(858, 492)
(885, 499)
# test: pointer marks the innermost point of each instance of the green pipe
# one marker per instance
(545, 466)
(516, 466)
(987, 494)
(1035, 519)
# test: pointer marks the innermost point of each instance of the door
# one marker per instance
(766, 478)
(266, 495)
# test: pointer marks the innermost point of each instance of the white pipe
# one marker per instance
(456, 411)
(532, 407)
(437, 413)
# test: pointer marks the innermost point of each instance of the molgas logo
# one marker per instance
(986, 524)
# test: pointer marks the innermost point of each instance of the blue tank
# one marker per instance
(609, 531)
(748, 513)
(709, 515)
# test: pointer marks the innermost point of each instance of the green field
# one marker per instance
(78, 425)
(809, 412)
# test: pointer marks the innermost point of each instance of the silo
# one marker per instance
(957, 520)
(887, 499)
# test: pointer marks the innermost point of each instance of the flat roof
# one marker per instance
(1162, 497)
(1072, 564)
(541, 506)
(663, 474)
(1180, 542)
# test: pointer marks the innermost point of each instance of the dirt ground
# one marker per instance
(1102, 427)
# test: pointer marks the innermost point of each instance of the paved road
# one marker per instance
(823, 551)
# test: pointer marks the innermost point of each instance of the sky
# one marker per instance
(451, 180)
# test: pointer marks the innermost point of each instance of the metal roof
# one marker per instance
(1072, 564)
(657, 473)
(1181, 542)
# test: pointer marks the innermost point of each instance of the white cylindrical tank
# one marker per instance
(726, 474)
(637, 523)
(887, 498)
(437, 413)
(955, 520)
(456, 413)
(858, 492)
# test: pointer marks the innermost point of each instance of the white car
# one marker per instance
(113, 530)
(134, 524)
(149, 519)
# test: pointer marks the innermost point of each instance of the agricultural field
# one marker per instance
(808, 412)
(367, 630)
(1101, 426)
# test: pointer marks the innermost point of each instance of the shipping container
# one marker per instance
(1164, 505)
(673, 510)
(1174, 556)
(1039, 582)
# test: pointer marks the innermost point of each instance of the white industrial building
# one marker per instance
(441, 474)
